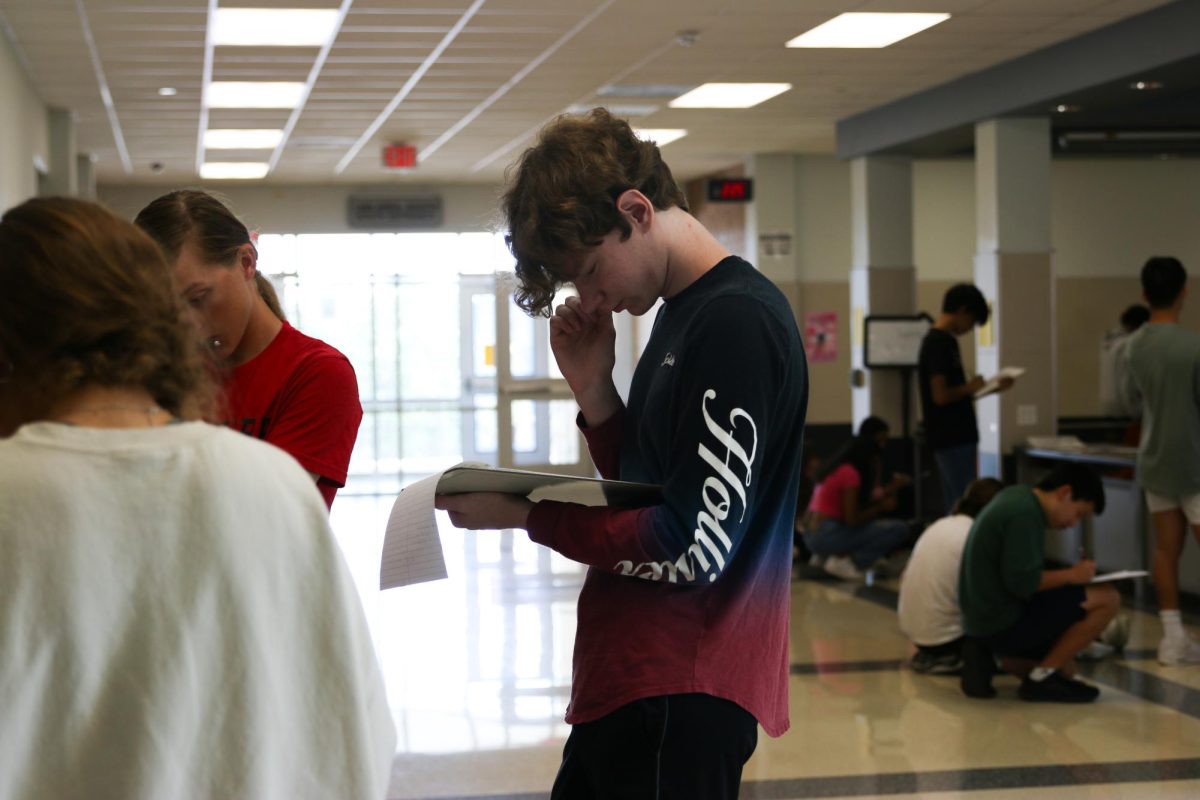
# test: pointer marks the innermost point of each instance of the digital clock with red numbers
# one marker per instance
(730, 190)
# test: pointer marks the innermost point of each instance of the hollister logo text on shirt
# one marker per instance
(730, 457)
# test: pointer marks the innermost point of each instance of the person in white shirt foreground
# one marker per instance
(176, 619)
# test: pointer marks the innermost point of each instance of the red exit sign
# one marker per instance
(400, 156)
(730, 190)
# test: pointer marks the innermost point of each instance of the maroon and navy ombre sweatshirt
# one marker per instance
(693, 595)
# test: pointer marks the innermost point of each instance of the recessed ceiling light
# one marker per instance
(1067, 108)
(253, 94)
(857, 29)
(617, 109)
(273, 27)
(168, 91)
(242, 138)
(643, 89)
(1142, 86)
(660, 136)
(233, 170)
(729, 95)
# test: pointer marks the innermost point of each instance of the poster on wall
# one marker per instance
(820, 336)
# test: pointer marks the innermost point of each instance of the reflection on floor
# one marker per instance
(478, 668)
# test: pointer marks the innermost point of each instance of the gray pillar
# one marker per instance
(1014, 270)
(882, 275)
(85, 166)
(63, 178)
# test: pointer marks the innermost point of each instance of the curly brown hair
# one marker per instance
(86, 299)
(561, 199)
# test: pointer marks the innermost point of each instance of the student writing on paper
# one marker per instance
(176, 619)
(947, 397)
(681, 648)
(292, 390)
(1037, 619)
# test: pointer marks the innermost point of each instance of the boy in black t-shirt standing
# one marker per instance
(947, 397)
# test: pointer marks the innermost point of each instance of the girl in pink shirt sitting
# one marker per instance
(844, 526)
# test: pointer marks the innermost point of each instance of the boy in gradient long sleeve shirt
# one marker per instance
(682, 639)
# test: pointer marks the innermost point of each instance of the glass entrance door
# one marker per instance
(535, 408)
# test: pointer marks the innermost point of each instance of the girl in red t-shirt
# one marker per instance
(291, 390)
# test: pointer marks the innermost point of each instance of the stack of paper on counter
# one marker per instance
(1120, 575)
(412, 552)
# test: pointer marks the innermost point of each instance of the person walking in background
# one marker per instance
(947, 397)
(1162, 378)
(291, 390)
(1113, 362)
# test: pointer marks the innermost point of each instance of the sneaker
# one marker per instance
(1177, 651)
(1095, 651)
(1116, 633)
(843, 567)
(930, 664)
(1057, 688)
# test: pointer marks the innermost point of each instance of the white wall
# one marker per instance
(317, 209)
(23, 130)
(944, 220)
(1110, 216)
(1107, 216)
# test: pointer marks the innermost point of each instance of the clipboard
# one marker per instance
(546, 486)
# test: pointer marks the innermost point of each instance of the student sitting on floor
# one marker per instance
(843, 524)
(1037, 619)
(929, 613)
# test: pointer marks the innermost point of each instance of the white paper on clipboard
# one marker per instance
(412, 551)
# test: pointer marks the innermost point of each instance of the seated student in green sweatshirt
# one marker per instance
(1035, 618)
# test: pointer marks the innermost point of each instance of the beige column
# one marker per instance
(882, 275)
(85, 170)
(1014, 270)
(63, 175)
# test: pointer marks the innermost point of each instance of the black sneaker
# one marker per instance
(928, 663)
(1057, 688)
(978, 667)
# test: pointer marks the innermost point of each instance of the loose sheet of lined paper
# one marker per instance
(412, 551)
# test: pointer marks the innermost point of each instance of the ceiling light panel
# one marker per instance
(729, 95)
(233, 170)
(273, 27)
(242, 138)
(866, 30)
(253, 94)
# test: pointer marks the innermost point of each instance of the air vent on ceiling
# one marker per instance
(394, 212)
(1166, 142)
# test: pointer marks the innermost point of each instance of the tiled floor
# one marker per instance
(478, 668)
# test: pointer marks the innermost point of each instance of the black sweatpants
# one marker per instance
(674, 747)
